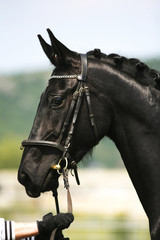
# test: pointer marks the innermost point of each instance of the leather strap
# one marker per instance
(91, 115)
(69, 200)
(26, 143)
(69, 114)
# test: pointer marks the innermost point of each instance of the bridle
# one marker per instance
(74, 109)
(69, 123)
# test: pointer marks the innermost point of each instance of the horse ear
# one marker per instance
(48, 50)
(63, 54)
(57, 53)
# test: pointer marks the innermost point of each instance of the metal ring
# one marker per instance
(64, 167)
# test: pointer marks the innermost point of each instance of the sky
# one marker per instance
(129, 28)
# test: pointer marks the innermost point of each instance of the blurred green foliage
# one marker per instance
(10, 153)
(19, 98)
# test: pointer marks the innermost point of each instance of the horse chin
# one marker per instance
(50, 184)
(33, 194)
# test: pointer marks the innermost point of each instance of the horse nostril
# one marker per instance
(22, 178)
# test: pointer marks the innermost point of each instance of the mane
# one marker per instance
(132, 66)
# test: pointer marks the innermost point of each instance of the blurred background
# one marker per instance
(105, 204)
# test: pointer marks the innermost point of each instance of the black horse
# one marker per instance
(88, 97)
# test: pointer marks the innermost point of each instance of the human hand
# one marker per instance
(50, 222)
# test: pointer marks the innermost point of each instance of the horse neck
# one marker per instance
(135, 117)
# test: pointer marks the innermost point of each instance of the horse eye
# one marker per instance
(56, 102)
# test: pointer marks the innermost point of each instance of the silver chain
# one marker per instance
(63, 76)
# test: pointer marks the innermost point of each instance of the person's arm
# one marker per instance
(13, 230)
(25, 230)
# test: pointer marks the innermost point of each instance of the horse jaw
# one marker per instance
(40, 177)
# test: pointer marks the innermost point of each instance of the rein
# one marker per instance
(59, 233)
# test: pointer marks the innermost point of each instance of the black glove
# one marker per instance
(50, 222)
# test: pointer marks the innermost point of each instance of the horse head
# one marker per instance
(65, 126)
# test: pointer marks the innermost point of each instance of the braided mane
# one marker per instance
(132, 66)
